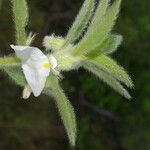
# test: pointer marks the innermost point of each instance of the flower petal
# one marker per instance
(23, 52)
(36, 78)
(36, 67)
(35, 70)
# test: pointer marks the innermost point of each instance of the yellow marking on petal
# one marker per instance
(47, 65)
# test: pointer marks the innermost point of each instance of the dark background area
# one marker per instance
(106, 121)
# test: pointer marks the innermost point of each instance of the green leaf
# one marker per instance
(16, 74)
(80, 22)
(12, 66)
(109, 46)
(100, 12)
(98, 30)
(107, 78)
(20, 11)
(65, 108)
(9, 61)
(108, 65)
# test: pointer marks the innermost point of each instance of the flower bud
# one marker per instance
(53, 42)
(26, 92)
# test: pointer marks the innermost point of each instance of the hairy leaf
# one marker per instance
(80, 22)
(108, 65)
(109, 46)
(20, 11)
(100, 11)
(65, 108)
(107, 78)
(98, 30)
(16, 74)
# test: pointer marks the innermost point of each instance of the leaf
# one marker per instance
(12, 66)
(98, 30)
(100, 11)
(65, 108)
(16, 74)
(108, 65)
(20, 11)
(80, 22)
(9, 61)
(109, 46)
(107, 78)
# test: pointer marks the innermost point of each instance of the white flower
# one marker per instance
(36, 66)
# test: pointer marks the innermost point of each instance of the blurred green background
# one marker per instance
(106, 121)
